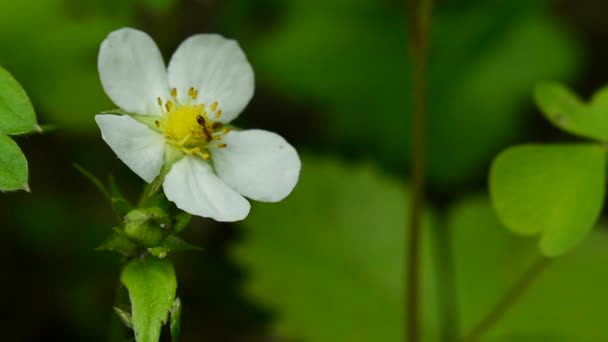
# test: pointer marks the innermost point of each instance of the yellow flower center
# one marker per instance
(193, 128)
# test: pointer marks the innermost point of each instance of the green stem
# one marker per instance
(510, 298)
(418, 15)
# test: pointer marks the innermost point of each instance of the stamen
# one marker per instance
(225, 130)
(222, 145)
(217, 137)
(157, 123)
(206, 155)
(216, 125)
(213, 106)
(193, 93)
(218, 114)
(159, 101)
(174, 92)
(168, 106)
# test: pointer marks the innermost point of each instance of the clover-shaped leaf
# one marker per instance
(566, 111)
(555, 191)
(16, 117)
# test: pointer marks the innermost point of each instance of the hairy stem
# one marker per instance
(506, 302)
(418, 14)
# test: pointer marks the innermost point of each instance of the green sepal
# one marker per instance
(125, 317)
(120, 243)
(94, 180)
(172, 244)
(176, 316)
(180, 222)
(152, 286)
(555, 191)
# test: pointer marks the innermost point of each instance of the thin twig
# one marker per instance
(418, 14)
(510, 298)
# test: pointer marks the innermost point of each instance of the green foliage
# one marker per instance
(151, 284)
(334, 270)
(565, 303)
(555, 191)
(120, 243)
(350, 69)
(566, 111)
(16, 117)
(172, 244)
(125, 317)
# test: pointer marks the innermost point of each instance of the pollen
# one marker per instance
(191, 127)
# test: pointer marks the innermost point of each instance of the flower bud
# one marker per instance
(148, 226)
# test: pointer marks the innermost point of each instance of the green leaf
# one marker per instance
(555, 191)
(334, 271)
(566, 302)
(172, 244)
(151, 284)
(176, 316)
(16, 111)
(118, 242)
(13, 166)
(566, 111)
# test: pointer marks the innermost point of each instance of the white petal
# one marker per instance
(217, 68)
(259, 164)
(136, 145)
(194, 188)
(132, 71)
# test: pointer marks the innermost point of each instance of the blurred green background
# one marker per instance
(326, 264)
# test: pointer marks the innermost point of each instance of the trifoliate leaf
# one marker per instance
(566, 111)
(555, 191)
(13, 166)
(151, 284)
(16, 111)
(334, 271)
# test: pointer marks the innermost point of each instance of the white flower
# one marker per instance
(183, 111)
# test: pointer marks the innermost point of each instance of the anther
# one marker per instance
(218, 114)
(206, 156)
(222, 145)
(157, 123)
(159, 101)
(213, 106)
(216, 125)
(217, 137)
(225, 130)
(168, 106)
(173, 92)
(193, 93)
